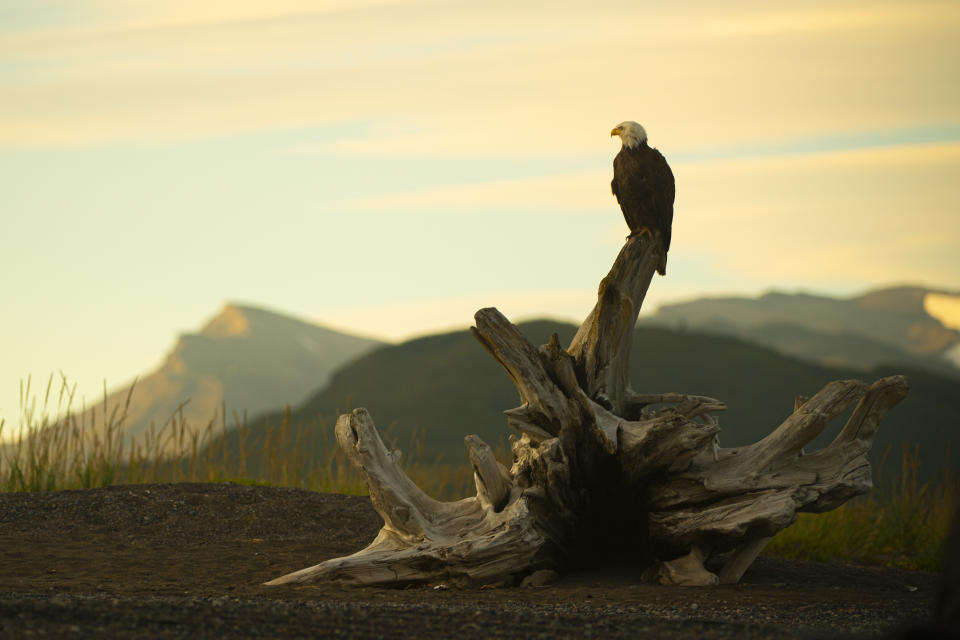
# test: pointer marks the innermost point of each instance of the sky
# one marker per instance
(389, 167)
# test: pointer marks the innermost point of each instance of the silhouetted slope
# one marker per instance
(248, 358)
(886, 325)
(448, 385)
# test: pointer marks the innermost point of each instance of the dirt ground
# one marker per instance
(189, 560)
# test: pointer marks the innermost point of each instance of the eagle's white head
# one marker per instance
(631, 133)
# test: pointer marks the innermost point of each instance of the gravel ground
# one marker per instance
(189, 560)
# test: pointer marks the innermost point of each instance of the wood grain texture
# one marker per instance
(599, 469)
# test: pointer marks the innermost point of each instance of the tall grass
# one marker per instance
(58, 448)
(900, 523)
(48, 453)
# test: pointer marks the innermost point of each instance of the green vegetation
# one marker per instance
(244, 357)
(901, 523)
(448, 386)
(56, 448)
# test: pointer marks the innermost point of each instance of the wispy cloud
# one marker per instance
(769, 112)
(422, 317)
(874, 214)
(574, 193)
(449, 78)
(82, 19)
(839, 16)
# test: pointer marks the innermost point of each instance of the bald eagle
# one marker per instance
(643, 184)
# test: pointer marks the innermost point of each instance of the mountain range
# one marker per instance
(246, 358)
(446, 386)
(894, 324)
(755, 354)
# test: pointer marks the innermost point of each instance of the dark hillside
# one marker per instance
(447, 386)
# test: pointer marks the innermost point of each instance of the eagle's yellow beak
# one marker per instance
(616, 131)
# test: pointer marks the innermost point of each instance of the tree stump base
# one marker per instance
(599, 470)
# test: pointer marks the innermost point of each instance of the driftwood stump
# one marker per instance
(601, 470)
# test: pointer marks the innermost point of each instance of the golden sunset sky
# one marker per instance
(389, 167)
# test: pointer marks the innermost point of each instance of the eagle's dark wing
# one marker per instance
(644, 186)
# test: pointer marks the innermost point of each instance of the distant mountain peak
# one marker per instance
(903, 323)
(231, 322)
(244, 357)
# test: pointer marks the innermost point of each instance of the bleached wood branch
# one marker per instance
(492, 479)
(748, 494)
(594, 462)
(423, 539)
(602, 345)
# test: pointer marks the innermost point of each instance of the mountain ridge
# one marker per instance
(880, 325)
(248, 357)
(445, 387)
(245, 358)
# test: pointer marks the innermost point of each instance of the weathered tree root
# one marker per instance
(595, 467)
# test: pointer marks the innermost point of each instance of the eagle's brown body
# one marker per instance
(644, 187)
